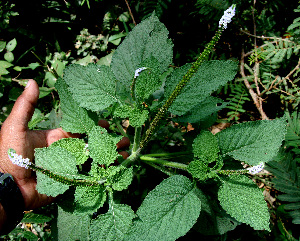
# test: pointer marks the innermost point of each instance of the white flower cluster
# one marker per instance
(256, 169)
(138, 71)
(227, 16)
(18, 159)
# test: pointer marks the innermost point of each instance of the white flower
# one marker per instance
(138, 71)
(18, 159)
(256, 169)
(226, 18)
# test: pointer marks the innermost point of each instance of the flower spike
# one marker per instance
(18, 159)
(227, 16)
(256, 169)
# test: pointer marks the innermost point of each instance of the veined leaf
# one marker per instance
(113, 225)
(102, 146)
(75, 118)
(253, 142)
(209, 77)
(89, 199)
(72, 226)
(148, 39)
(75, 146)
(57, 160)
(202, 110)
(119, 177)
(244, 201)
(92, 86)
(168, 212)
(136, 116)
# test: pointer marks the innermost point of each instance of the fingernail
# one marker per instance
(28, 83)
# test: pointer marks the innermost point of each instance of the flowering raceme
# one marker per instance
(227, 16)
(18, 159)
(256, 169)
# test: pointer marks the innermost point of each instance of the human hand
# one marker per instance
(16, 135)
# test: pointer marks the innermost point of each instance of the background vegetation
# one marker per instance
(39, 38)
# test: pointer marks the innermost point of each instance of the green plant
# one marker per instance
(133, 199)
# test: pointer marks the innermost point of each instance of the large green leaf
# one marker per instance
(89, 199)
(243, 200)
(119, 177)
(75, 146)
(168, 212)
(102, 146)
(72, 227)
(253, 142)
(113, 225)
(203, 110)
(75, 118)
(59, 161)
(209, 77)
(92, 86)
(149, 39)
(213, 220)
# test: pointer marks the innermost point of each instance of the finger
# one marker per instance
(44, 138)
(124, 154)
(24, 107)
(104, 124)
(123, 143)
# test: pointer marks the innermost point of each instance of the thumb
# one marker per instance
(24, 106)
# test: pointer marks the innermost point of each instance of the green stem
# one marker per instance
(203, 56)
(67, 180)
(164, 162)
(134, 152)
(160, 168)
(120, 128)
(168, 155)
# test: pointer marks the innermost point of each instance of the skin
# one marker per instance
(15, 134)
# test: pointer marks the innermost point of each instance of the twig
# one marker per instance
(130, 12)
(255, 97)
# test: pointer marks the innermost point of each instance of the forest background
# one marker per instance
(38, 39)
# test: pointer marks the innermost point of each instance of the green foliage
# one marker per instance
(75, 119)
(76, 147)
(93, 87)
(72, 227)
(148, 40)
(203, 110)
(112, 225)
(286, 180)
(253, 142)
(102, 146)
(157, 6)
(252, 211)
(60, 161)
(210, 76)
(137, 117)
(35, 218)
(167, 212)
(125, 89)
(89, 199)
(237, 98)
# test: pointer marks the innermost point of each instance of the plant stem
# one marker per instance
(203, 56)
(160, 168)
(164, 162)
(168, 155)
(120, 128)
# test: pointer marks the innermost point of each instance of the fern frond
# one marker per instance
(157, 6)
(237, 98)
(287, 181)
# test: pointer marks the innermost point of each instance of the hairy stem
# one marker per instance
(164, 162)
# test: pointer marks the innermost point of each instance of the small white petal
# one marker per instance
(256, 169)
(228, 15)
(138, 71)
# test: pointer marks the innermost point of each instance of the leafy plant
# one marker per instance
(116, 199)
